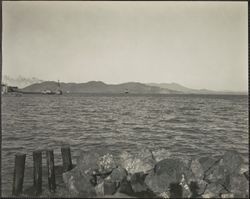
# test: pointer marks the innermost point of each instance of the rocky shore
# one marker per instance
(150, 174)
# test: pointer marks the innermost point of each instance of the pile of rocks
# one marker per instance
(146, 175)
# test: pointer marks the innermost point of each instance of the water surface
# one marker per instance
(185, 125)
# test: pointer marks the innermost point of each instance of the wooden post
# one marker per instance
(66, 157)
(51, 170)
(18, 174)
(37, 172)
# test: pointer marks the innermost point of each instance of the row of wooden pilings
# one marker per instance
(19, 169)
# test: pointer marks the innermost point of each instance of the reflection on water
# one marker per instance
(184, 125)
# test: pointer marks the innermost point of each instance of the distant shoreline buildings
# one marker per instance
(8, 89)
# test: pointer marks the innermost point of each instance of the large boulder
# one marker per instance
(137, 182)
(88, 162)
(106, 163)
(239, 186)
(165, 172)
(95, 164)
(118, 174)
(107, 187)
(125, 187)
(207, 162)
(214, 190)
(143, 161)
(232, 161)
(78, 184)
(224, 167)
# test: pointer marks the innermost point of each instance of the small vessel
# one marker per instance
(59, 91)
(50, 92)
(126, 91)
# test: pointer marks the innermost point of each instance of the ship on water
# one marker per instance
(50, 92)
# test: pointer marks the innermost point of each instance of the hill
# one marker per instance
(99, 87)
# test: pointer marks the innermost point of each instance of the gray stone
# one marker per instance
(106, 187)
(106, 163)
(118, 174)
(78, 184)
(137, 182)
(165, 172)
(214, 190)
(143, 161)
(88, 163)
(197, 169)
(109, 187)
(232, 161)
(239, 186)
(207, 162)
(95, 164)
(218, 173)
(246, 174)
(125, 187)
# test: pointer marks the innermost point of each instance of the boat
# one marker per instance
(50, 92)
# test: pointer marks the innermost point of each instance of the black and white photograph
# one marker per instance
(124, 99)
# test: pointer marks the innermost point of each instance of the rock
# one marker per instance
(78, 184)
(246, 174)
(94, 164)
(139, 187)
(197, 188)
(218, 174)
(161, 154)
(106, 163)
(229, 164)
(105, 188)
(109, 187)
(197, 169)
(214, 190)
(99, 188)
(232, 161)
(88, 163)
(137, 182)
(125, 187)
(175, 190)
(207, 162)
(118, 174)
(141, 162)
(239, 186)
(165, 172)
(163, 195)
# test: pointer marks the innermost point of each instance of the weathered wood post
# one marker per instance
(66, 157)
(18, 174)
(37, 172)
(51, 170)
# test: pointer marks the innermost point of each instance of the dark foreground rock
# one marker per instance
(78, 184)
(165, 172)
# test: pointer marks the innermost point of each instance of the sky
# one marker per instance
(196, 44)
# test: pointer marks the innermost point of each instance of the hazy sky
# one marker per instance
(197, 44)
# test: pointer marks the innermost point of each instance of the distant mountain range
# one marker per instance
(130, 87)
(37, 85)
(185, 90)
(98, 87)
